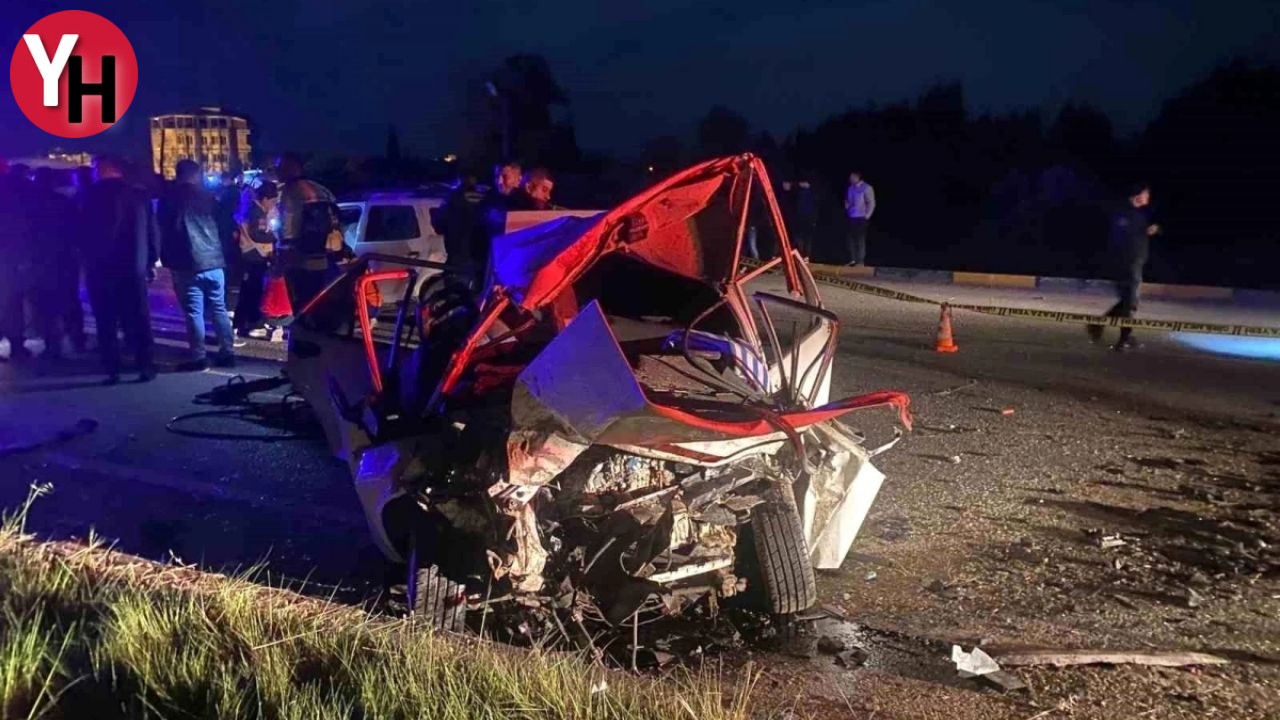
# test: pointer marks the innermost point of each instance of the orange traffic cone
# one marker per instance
(945, 343)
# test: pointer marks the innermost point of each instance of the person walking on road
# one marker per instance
(191, 248)
(256, 243)
(118, 243)
(859, 206)
(1131, 233)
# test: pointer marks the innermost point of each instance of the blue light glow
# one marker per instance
(1258, 348)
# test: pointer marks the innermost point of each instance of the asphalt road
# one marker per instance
(1025, 439)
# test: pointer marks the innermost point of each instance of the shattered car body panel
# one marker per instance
(612, 414)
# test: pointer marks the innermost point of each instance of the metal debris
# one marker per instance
(1111, 541)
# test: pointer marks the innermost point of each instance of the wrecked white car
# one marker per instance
(612, 430)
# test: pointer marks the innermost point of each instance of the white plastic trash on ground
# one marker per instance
(973, 664)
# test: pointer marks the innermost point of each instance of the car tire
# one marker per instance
(782, 553)
(440, 602)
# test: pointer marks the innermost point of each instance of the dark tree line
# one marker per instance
(1014, 193)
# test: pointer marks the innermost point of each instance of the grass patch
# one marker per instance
(87, 632)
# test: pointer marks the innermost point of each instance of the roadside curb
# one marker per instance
(1168, 291)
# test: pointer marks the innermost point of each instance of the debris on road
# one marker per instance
(974, 663)
(1122, 600)
(831, 645)
(1105, 540)
(1007, 411)
(1067, 658)
(958, 388)
(1111, 541)
(871, 575)
(854, 658)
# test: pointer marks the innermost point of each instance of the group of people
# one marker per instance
(47, 236)
(470, 218)
(115, 230)
(799, 204)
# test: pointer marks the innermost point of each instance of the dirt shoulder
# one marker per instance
(1056, 494)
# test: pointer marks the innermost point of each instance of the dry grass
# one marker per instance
(86, 632)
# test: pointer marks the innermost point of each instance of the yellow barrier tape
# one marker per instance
(1051, 315)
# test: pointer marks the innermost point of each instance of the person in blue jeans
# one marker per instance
(191, 248)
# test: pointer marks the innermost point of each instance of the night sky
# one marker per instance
(327, 76)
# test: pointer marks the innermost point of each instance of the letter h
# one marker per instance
(78, 89)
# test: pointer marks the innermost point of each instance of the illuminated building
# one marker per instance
(70, 159)
(219, 141)
(56, 158)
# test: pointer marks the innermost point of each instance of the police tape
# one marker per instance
(1049, 315)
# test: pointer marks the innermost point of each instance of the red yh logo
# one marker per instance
(73, 74)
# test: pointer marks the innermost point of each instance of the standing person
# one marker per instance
(1130, 244)
(15, 258)
(309, 231)
(255, 241)
(499, 200)
(806, 218)
(227, 204)
(226, 197)
(118, 243)
(859, 206)
(463, 225)
(786, 196)
(56, 276)
(192, 250)
(798, 210)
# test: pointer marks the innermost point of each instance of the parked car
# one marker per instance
(397, 224)
(613, 431)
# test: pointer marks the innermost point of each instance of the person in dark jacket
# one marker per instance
(799, 210)
(191, 247)
(1130, 243)
(118, 244)
(806, 217)
(57, 273)
(15, 258)
(498, 201)
(462, 223)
